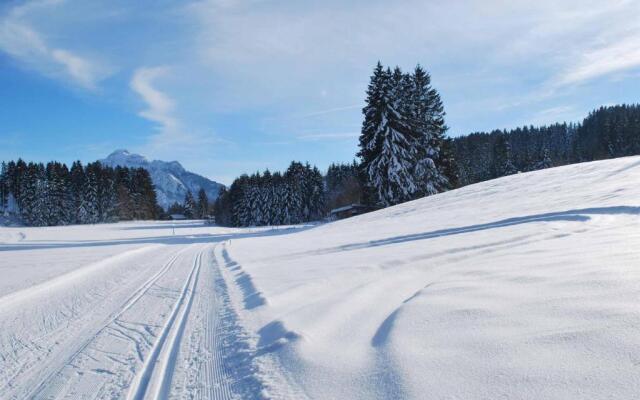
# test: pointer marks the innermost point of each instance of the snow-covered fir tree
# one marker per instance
(402, 136)
(427, 113)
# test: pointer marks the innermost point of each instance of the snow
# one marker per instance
(522, 287)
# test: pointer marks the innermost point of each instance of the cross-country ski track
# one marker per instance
(524, 287)
(154, 322)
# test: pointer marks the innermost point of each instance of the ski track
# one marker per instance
(131, 301)
(62, 333)
(161, 361)
(210, 377)
(176, 334)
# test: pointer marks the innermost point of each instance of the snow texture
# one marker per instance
(524, 287)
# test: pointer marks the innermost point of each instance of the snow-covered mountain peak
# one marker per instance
(123, 157)
(171, 180)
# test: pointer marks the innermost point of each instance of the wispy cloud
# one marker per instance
(21, 40)
(172, 137)
(160, 106)
(619, 56)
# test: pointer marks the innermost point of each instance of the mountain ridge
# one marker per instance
(172, 181)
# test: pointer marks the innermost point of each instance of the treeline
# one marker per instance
(482, 156)
(199, 208)
(292, 197)
(53, 194)
(404, 154)
(607, 132)
(343, 185)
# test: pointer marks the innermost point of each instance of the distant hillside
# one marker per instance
(171, 180)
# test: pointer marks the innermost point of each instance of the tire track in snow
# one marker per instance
(157, 370)
(130, 302)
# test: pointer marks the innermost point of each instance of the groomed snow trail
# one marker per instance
(154, 322)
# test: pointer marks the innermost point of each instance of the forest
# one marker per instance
(53, 194)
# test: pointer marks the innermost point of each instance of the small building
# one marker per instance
(350, 210)
(177, 217)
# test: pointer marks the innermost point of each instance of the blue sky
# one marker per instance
(229, 86)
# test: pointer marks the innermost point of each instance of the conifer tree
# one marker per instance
(390, 143)
(29, 195)
(88, 212)
(432, 165)
(189, 205)
(203, 204)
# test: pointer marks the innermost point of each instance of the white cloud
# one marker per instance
(80, 69)
(269, 52)
(619, 56)
(172, 137)
(160, 106)
(22, 41)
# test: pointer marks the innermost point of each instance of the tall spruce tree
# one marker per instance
(386, 145)
(402, 137)
(428, 114)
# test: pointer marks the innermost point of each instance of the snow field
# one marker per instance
(523, 287)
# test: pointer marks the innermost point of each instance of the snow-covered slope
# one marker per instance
(525, 287)
(172, 181)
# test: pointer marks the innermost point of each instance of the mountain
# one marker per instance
(172, 181)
